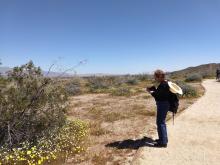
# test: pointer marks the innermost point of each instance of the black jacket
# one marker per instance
(162, 93)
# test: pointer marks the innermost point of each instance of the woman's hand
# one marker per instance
(151, 89)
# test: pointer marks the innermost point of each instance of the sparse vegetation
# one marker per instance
(113, 116)
(110, 84)
(132, 81)
(74, 87)
(207, 74)
(113, 106)
(188, 90)
(95, 112)
(96, 129)
(98, 84)
(194, 78)
(121, 91)
(99, 159)
(144, 77)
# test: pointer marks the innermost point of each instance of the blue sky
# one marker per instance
(114, 36)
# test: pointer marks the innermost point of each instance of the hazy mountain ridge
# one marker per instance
(4, 70)
(209, 69)
(204, 69)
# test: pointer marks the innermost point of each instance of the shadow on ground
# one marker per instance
(132, 144)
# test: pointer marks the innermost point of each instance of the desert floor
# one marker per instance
(119, 125)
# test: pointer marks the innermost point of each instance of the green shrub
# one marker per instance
(30, 105)
(61, 144)
(3, 83)
(97, 84)
(119, 80)
(188, 90)
(207, 75)
(194, 78)
(113, 80)
(132, 81)
(127, 79)
(74, 87)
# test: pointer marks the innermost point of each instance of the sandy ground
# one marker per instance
(195, 137)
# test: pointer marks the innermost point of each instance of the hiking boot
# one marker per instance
(159, 145)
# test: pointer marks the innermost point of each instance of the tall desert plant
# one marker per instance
(30, 105)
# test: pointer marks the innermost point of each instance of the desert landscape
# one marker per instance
(119, 114)
(117, 82)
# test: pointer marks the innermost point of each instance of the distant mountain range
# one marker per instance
(208, 69)
(4, 70)
(204, 70)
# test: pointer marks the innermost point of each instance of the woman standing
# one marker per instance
(161, 95)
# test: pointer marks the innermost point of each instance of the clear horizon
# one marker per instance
(72, 72)
(114, 37)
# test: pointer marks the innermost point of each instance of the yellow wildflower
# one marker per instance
(28, 152)
(39, 162)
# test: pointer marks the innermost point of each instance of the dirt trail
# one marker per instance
(195, 137)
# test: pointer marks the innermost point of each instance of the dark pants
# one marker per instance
(162, 109)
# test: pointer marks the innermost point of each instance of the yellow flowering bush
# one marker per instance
(61, 144)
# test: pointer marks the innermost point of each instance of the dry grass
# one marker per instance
(96, 129)
(99, 159)
(146, 113)
(140, 109)
(113, 116)
(111, 119)
(146, 96)
(95, 112)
